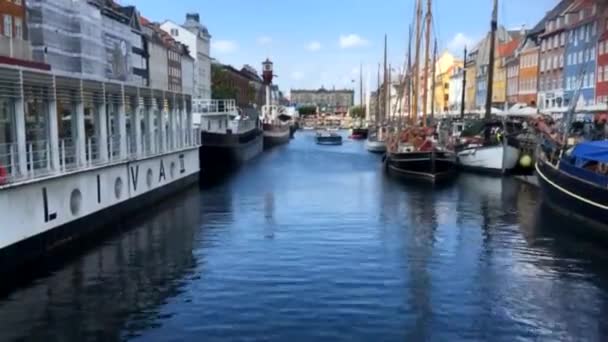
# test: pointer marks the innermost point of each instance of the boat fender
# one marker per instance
(3, 175)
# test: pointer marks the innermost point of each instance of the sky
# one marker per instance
(316, 43)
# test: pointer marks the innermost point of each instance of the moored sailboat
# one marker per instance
(576, 181)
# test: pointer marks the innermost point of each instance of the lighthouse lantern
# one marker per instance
(267, 73)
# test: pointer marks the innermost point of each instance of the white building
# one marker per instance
(455, 95)
(196, 36)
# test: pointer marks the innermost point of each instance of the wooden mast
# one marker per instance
(416, 71)
(494, 26)
(407, 85)
(433, 81)
(427, 41)
(361, 85)
(386, 88)
(464, 83)
(378, 97)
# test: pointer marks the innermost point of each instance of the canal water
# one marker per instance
(316, 243)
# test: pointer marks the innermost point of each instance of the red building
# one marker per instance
(601, 87)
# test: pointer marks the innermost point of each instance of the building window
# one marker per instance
(543, 45)
(18, 28)
(174, 32)
(561, 61)
(594, 28)
(581, 15)
(562, 37)
(8, 25)
(580, 57)
(18, 2)
(600, 73)
(605, 73)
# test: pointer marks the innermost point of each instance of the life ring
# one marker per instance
(3, 175)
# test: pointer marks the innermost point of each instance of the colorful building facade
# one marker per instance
(527, 90)
(512, 67)
(580, 54)
(552, 49)
(601, 87)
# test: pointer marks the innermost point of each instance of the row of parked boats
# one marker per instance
(571, 168)
(435, 153)
(231, 136)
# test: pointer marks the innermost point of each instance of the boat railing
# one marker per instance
(39, 160)
(206, 107)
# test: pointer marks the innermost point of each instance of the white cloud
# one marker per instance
(352, 40)
(313, 46)
(264, 40)
(459, 41)
(224, 46)
(297, 75)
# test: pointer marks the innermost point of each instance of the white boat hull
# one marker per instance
(43, 213)
(375, 146)
(497, 158)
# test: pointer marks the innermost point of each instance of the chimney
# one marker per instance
(193, 16)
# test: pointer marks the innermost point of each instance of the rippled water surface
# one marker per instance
(316, 243)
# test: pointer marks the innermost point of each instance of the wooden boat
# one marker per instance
(433, 166)
(413, 155)
(490, 150)
(576, 182)
(328, 138)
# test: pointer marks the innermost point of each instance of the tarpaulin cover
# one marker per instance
(592, 151)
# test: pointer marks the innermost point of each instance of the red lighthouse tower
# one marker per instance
(267, 71)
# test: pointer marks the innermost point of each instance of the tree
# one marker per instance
(221, 89)
(357, 112)
(307, 110)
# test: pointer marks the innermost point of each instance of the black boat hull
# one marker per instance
(359, 133)
(275, 135)
(432, 166)
(221, 152)
(337, 140)
(572, 195)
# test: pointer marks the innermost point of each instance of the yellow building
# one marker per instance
(470, 91)
(499, 85)
(444, 66)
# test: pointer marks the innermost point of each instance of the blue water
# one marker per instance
(314, 242)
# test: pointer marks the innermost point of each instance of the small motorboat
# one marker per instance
(328, 138)
(359, 133)
(374, 145)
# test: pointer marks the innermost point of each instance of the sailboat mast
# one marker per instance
(464, 83)
(361, 85)
(378, 98)
(386, 94)
(416, 73)
(433, 81)
(427, 43)
(494, 26)
(407, 86)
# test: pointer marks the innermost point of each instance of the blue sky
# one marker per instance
(317, 43)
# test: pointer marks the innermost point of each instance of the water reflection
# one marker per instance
(309, 243)
(128, 278)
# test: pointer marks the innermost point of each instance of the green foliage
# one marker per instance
(307, 110)
(220, 84)
(357, 112)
